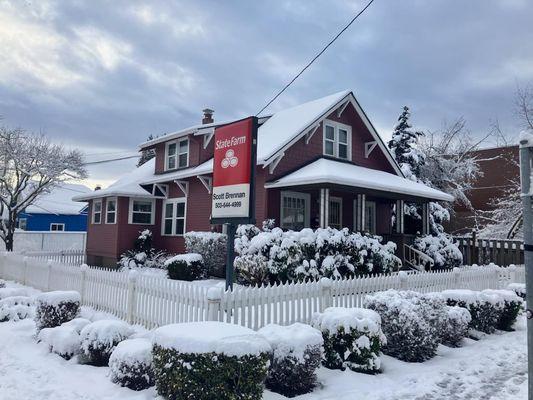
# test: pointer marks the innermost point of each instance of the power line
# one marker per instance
(316, 57)
(110, 160)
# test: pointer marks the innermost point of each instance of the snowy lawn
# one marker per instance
(491, 368)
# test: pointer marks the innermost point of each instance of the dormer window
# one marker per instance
(337, 140)
(177, 154)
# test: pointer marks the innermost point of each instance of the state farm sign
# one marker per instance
(233, 171)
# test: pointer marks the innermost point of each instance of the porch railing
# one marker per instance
(415, 259)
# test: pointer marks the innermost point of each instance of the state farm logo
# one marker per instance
(229, 160)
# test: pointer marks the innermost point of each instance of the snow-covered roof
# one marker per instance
(59, 200)
(202, 169)
(324, 171)
(128, 185)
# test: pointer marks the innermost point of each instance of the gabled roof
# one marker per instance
(59, 201)
(324, 171)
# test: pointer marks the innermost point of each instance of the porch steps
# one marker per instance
(415, 259)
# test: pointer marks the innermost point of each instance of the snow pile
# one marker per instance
(77, 324)
(99, 339)
(518, 288)
(62, 340)
(411, 322)
(186, 267)
(2, 284)
(441, 249)
(188, 258)
(55, 298)
(10, 292)
(15, 308)
(352, 338)
(456, 326)
(212, 247)
(130, 364)
(56, 308)
(276, 255)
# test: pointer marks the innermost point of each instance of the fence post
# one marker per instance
(3, 264)
(25, 270)
(327, 299)
(132, 295)
(402, 275)
(214, 297)
(83, 270)
(512, 273)
(496, 272)
(48, 275)
(456, 277)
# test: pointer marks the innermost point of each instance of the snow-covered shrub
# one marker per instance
(130, 364)
(212, 247)
(10, 292)
(77, 324)
(62, 340)
(442, 249)
(352, 338)
(297, 351)
(143, 254)
(209, 360)
(16, 308)
(310, 254)
(2, 283)
(99, 339)
(456, 326)
(485, 309)
(512, 305)
(186, 267)
(55, 308)
(518, 288)
(411, 323)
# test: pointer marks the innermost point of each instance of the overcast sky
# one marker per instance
(103, 75)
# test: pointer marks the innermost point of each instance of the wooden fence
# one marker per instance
(501, 252)
(154, 301)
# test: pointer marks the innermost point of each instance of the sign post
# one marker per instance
(233, 194)
(526, 177)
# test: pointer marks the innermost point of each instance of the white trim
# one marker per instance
(107, 201)
(311, 132)
(174, 201)
(57, 224)
(373, 222)
(93, 212)
(336, 127)
(208, 135)
(338, 200)
(207, 181)
(162, 187)
(369, 146)
(130, 211)
(273, 165)
(297, 195)
(184, 186)
(341, 109)
(177, 155)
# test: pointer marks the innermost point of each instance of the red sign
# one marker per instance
(233, 169)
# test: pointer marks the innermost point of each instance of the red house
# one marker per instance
(319, 164)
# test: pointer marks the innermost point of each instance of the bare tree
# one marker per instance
(524, 106)
(30, 165)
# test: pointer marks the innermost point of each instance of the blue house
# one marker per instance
(55, 211)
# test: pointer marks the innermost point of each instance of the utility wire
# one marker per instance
(316, 57)
(110, 160)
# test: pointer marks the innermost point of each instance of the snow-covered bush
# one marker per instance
(411, 323)
(10, 292)
(280, 256)
(485, 308)
(2, 283)
(143, 254)
(456, 326)
(77, 324)
(297, 351)
(212, 247)
(512, 305)
(209, 360)
(518, 288)
(130, 364)
(62, 340)
(352, 338)
(186, 267)
(16, 308)
(55, 308)
(442, 249)
(99, 339)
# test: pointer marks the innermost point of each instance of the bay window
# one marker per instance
(174, 217)
(141, 211)
(177, 154)
(337, 140)
(294, 210)
(97, 211)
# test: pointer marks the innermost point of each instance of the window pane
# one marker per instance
(184, 146)
(97, 207)
(142, 206)
(343, 136)
(97, 218)
(329, 148)
(179, 226)
(171, 162)
(343, 151)
(168, 227)
(180, 209)
(168, 210)
(330, 133)
(171, 149)
(183, 160)
(110, 218)
(111, 205)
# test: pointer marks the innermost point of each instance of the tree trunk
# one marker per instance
(8, 240)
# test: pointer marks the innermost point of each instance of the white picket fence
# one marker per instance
(154, 301)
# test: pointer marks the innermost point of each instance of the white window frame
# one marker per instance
(107, 212)
(373, 222)
(25, 223)
(99, 201)
(57, 224)
(307, 211)
(336, 126)
(338, 200)
(174, 207)
(130, 213)
(176, 156)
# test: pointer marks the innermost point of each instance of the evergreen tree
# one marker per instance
(146, 155)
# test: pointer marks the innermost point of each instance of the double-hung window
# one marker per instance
(370, 217)
(23, 223)
(55, 227)
(337, 140)
(177, 154)
(141, 211)
(174, 217)
(97, 211)
(111, 211)
(295, 210)
(335, 212)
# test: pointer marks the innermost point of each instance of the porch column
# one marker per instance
(399, 217)
(324, 208)
(360, 213)
(425, 218)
